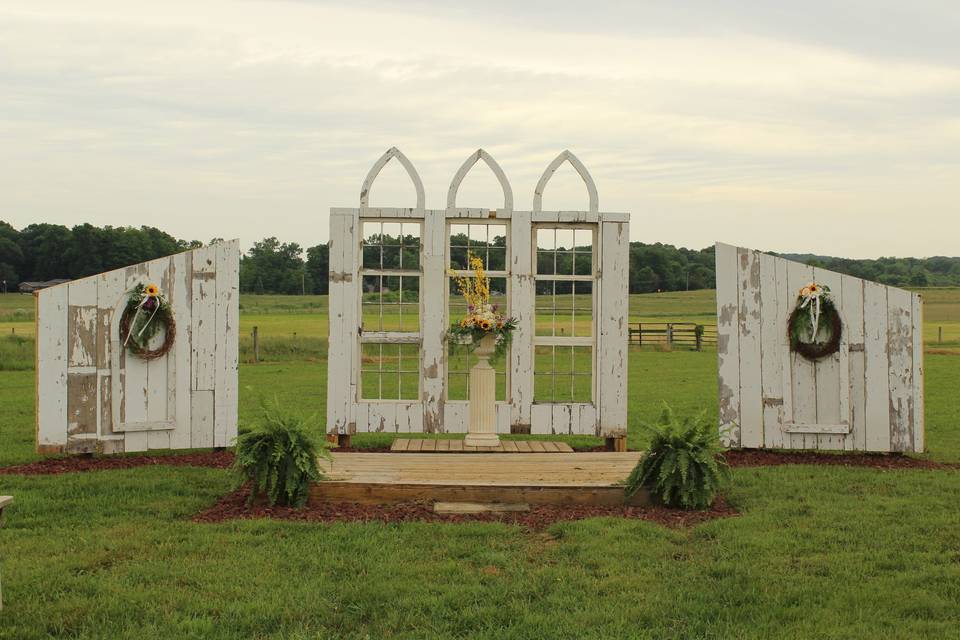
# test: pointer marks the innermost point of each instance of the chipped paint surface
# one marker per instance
(94, 396)
(433, 414)
(865, 397)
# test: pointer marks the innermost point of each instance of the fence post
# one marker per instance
(939, 334)
(256, 343)
(670, 333)
(698, 332)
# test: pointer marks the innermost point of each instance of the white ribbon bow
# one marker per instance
(812, 299)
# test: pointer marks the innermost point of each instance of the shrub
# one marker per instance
(279, 456)
(684, 465)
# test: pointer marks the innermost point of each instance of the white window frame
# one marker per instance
(594, 278)
(389, 337)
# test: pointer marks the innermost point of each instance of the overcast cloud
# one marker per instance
(784, 126)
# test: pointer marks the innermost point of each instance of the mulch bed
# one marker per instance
(233, 506)
(224, 459)
(884, 461)
(71, 464)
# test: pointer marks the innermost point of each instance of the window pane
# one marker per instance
(371, 256)
(391, 233)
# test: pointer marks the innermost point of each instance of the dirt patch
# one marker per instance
(888, 461)
(72, 464)
(234, 506)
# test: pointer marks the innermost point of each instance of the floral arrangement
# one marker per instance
(482, 318)
(818, 334)
(146, 313)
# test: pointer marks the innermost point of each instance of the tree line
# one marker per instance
(42, 251)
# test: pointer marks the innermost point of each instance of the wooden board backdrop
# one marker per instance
(606, 415)
(866, 397)
(93, 395)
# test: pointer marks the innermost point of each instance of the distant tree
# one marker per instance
(318, 267)
(271, 266)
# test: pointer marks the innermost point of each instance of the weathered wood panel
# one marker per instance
(346, 413)
(864, 397)
(93, 395)
(728, 343)
(51, 366)
(611, 363)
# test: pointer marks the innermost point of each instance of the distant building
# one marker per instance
(30, 287)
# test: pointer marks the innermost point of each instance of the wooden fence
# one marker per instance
(675, 334)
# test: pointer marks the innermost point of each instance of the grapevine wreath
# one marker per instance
(814, 326)
(146, 313)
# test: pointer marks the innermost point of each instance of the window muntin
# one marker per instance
(564, 312)
(486, 239)
(390, 310)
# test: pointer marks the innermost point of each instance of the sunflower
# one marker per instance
(814, 288)
(152, 290)
(485, 325)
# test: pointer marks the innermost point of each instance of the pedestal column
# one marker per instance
(483, 395)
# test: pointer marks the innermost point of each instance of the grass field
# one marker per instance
(817, 552)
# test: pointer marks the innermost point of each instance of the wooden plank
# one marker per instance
(900, 355)
(803, 371)
(443, 445)
(876, 375)
(415, 445)
(201, 419)
(339, 362)
(82, 330)
(919, 435)
(535, 469)
(161, 404)
(134, 376)
(180, 297)
(772, 321)
(456, 445)
(749, 327)
(833, 430)
(561, 423)
(433, 328)
(513, 446)
(536, 446)
(853, 327)
(51, 366)
(541, 419)
(456, 417)
(833, 372)
(611, 350)
(480, 507)
(400, 444)
(522, 308)
(227, 343)
(81, 403)
(728, 343)
(204, 319)
(111, 297)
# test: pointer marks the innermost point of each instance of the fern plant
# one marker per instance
(280, 457)
(684, 465)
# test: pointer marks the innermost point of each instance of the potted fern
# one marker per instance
(683, 466)
(280, 457)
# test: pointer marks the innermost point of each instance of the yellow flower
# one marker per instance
(485, 325)
(813, 287)
(152, 290)
(804, 292)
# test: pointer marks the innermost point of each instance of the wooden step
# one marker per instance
(451, 445)
(479, 507)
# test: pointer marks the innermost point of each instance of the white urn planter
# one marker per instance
(483, 414)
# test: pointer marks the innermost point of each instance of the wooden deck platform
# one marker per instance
(533, 478)
(437, 445)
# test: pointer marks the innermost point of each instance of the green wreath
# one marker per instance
(146, 313)
(815, 309)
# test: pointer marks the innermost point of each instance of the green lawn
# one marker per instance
(818, 552)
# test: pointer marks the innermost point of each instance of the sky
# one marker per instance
(817, 126)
